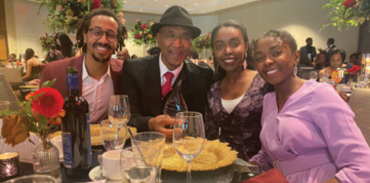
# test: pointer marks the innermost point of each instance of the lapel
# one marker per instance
(153, 86)
(115, 70)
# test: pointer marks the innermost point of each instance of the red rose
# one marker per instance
(348, 3)
(96, 4)
(144, 26)
(138, 36)
(44, 38)
(49, 104)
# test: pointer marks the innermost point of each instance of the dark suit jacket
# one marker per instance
(142, 83)
(304, 61)
(59, 70)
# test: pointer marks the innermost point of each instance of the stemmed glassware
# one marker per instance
(119, 111)
(175, 102)
(313, 75)
(188, 137)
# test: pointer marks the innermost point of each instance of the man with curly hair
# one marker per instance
(99, 34)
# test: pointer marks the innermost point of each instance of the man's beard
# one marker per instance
(103, 60)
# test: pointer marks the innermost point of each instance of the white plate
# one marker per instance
(96, 171)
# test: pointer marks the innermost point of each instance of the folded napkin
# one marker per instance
(271, 176)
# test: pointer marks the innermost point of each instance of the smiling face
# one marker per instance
(229, 48)
(100, 49)
(175, 44)
(274, 60)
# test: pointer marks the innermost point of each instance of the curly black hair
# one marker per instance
(84, 24)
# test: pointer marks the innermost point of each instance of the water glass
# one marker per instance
(138, 164)
(4, 106)
(151, 139)
(113, 136)
(313, 75)
(119, 109)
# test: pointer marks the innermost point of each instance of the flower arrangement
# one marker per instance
(142, 34)
(46, 41)
(202, 42)
(64, 14)
(347, 13)
(41, 109)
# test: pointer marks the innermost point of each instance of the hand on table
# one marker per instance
(159, 124)
(34, 82)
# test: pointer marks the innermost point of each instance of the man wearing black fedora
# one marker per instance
(148, 81)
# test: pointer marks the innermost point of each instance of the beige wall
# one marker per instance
(302, 18)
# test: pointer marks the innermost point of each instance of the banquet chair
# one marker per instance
(360, 104)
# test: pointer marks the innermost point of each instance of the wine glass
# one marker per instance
(119, 109)
(188, 137)
(112, 135)
(138, 164)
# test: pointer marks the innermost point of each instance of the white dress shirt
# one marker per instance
(163, 69)
(97, 94)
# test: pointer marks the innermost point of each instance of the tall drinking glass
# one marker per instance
(113, 136)
(4, 106)
(138, 164)
(188, 137)
(151, 139)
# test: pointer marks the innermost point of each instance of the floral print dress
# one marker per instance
(241, 127)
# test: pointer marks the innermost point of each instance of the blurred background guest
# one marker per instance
(320, 60)
(335, 58)
(153, 51)
(330, 44)
(123, 54)
(134, 56)
(308, 54)
(63, 46)
(33, 66)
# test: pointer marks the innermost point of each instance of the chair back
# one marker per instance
(360, 104)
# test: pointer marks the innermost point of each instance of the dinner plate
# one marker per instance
(96, 171)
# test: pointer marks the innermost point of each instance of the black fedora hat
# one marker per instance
(176, 15)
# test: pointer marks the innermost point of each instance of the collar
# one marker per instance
(163, 69)
(84, 70)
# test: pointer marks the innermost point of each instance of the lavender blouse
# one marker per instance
(313, 119)
(241, 127)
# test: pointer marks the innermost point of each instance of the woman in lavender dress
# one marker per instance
(308, 131)
(235, 100)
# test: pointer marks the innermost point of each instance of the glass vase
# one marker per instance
(46, 159)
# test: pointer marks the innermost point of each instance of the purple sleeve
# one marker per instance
(346, 144)
(210, 126)
(262, 159)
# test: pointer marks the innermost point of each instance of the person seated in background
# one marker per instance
(335, 57)
(123, 54)
(33, 66)
(134, 56)
(10, 61)
(320, 60)
(153, 51)
(63, 46)
(308, 131)
(98, 34)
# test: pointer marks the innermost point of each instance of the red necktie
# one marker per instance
(167, 87)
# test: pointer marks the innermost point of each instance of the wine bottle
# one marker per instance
(76, 130)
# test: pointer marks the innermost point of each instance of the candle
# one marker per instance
(9, 165)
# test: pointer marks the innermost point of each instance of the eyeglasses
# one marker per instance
(97, 33)
(170, 36)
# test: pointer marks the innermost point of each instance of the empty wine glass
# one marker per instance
(119, 109)
(188, 137)
(112, 135)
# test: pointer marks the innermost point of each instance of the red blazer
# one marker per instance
(58, 70)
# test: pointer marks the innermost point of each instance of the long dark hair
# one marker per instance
(220, 73)
(84, 24)
(29, 53)
(333, 52)
(66, 44)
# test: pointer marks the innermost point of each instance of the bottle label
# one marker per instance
(88, 139)
(67, 149)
